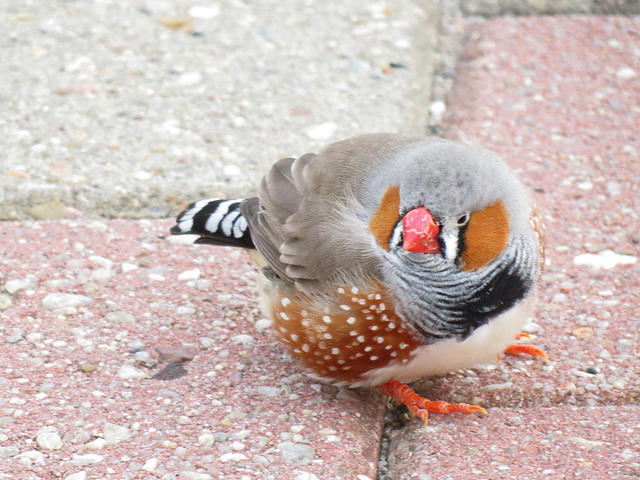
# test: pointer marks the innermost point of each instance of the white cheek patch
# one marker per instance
(450, 238)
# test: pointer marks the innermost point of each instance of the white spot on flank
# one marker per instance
(393, 354)
(341, 290)
(354, 290)
(284, 316)
(373, 358)
(335, 351)
(362, 301)
(294, 337)
(285, 301)
(373, 327)
(304, 313)
(403, 346)
(327, 336)
(345, 307)
(326, 319)
(346, 368)
(351, 320)
(391, 326)
(379, 339)
(367, 349)
(383, 307)
(327, 357)
(305, 348)
(378, 297)
(353, 333)
(360, 338)
(332, 368)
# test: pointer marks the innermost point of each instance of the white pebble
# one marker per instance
(263, 324)
(606, 259)
(269, 391)
(5, 302)
(113, 433)
(231, 171)
(189, 79)
(242, 339)
(86, 459)
(55, 301)
(586, 185)
(97, 444)
(206, 439)
(189, 475)
(96, 226)
(190, 274)
(128, 267)
(437, 109)
(13, 286)
(77, 476)
(296, 428)
(119, 317)
(233, 457)
(129, 372)
(205, 12)
(306, 476)
(34, 456)
(322, 131)
(48, 439)
(156, 277)
(625, 73)
(101, 275)
(103, 262)
(150, 465)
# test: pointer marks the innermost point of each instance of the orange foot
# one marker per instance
(420, 406)
(517, 348)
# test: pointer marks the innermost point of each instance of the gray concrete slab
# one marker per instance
(129, 109)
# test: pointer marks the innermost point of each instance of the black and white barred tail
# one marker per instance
(218, 222)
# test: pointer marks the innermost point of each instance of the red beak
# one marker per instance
(420, 232)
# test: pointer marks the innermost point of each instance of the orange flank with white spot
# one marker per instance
(364, 332)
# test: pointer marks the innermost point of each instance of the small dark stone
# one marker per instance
(171, 372)
(591, 371)
(397, 65)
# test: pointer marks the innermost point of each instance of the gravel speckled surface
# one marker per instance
(128, 356)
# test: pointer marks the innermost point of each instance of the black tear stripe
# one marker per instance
(441, 301)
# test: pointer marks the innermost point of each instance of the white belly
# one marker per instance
(481, 348)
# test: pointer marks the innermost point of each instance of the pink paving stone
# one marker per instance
(557, 98)
(244, 394)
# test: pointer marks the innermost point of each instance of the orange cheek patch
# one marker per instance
(358, 333)
(486, 236)
(386, 216)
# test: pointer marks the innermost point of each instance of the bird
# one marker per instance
(385, 258)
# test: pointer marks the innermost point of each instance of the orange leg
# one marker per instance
(420, 406)
(528, 349)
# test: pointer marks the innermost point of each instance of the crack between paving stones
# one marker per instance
(395, 418)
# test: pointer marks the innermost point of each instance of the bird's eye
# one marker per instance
(463, 220)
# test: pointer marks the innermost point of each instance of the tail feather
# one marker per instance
(218, 222)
